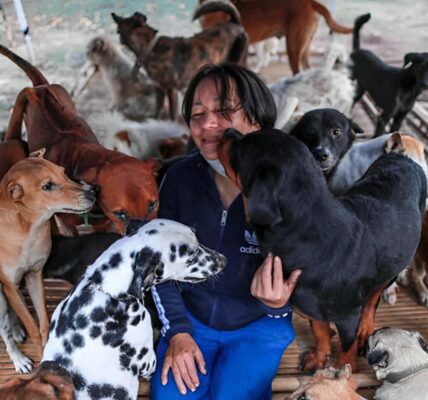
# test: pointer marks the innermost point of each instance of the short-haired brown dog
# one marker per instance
(30, 193)
(172, 61)
(48, 382)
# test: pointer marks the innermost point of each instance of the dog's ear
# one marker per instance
(263, 207)
(356, 129)
(146, 263)
(412, 58)
(15, 190)
(421, 340)
(38, 153)
(394, 144)
(116, 18)
(140, 17)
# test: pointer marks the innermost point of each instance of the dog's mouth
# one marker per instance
(77, 210)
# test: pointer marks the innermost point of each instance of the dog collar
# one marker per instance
(398, 376)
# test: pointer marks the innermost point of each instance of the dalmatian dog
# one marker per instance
(101, 332)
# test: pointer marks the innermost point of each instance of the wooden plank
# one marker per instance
(406, 314)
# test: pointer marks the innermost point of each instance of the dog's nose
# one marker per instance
(321, 153)
(91, 193)
(133, 225)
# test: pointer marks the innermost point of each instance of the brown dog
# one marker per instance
(172, 61)
(297, 20)
(30, 193)
(11, 151)
(127, 186)
(48, 382)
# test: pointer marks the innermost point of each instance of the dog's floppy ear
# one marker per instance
(394, 144)
(15, 190)
(263, 207)
(146, 262)
(356, 129)
(38, 153)
(421, 340)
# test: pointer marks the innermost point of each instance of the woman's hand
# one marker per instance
(269, 286)
(180, 358)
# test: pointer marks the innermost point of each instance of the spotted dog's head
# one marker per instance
(157, 251)
(394, 353)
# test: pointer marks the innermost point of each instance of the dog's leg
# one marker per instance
(417, 274)
(316, 358)
(17, 303)
(21, 363)
(18, 332)
(348, 333)
(397, 121)
(367, 320)
(172, 103)
(15, 124)
(34, 281)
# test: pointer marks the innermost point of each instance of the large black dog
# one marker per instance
(328, 134)
(393, 89)
(347, 247)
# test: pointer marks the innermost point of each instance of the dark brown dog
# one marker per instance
(297, 20)
(48, 382)
(128, 188)
(172, 61)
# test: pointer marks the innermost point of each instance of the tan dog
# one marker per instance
(172, 61)
(127, 186)
(400, 359)
(30, 193)
(329, 384)
(136, 96)
(48, 382)
(297, 20)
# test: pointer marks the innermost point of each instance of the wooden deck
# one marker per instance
(406, 313)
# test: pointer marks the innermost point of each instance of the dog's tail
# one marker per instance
(32, 72)
(216, 6)
(332, 24)
(359, 22)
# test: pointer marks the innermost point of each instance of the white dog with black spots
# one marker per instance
(101, 332)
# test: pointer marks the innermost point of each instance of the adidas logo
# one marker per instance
(251, 238)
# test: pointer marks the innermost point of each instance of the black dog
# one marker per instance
(328, 134)
(70, 256)
(393, 89)
(347, 247)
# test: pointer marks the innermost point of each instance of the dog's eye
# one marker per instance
(121, 215)
(337, 132)
(49, 186)
(152, 206)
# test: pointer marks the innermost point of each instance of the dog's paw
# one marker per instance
(22, 364)
(423, 299)
(311, 361)
(390, 295)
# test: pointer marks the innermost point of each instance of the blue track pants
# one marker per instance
(240, 364)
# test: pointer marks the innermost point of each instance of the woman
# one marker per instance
(234, 328)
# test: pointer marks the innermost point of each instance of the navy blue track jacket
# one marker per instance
(188, 195)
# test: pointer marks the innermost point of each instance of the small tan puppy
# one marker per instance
(329, 384)
(30, 193)
(400, 359)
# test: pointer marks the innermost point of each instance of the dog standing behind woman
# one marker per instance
(136, 96)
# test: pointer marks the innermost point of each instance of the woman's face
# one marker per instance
(208, 123)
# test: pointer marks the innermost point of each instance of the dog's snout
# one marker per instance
(133, 225)
(321, 153)
(92, 192)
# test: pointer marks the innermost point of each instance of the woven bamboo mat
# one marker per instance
(406, 314)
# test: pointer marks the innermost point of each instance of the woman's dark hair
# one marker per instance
(255, 98)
